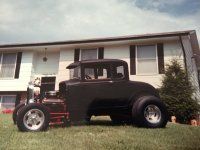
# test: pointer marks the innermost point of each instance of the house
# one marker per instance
(146, 55)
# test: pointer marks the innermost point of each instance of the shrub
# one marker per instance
(177, 92)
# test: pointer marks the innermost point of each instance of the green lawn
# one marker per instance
(101, 134)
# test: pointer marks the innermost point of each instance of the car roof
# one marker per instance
(94, 61)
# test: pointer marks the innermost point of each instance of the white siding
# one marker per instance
(191, 65)
(24, 76)
(66, 58)
(171, 50)
(33, 66)
(50, 67)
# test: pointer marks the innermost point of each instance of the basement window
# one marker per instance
(7, 101)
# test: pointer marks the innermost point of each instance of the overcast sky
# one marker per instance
(23, 21)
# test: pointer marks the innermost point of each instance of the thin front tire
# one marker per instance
(33, 117)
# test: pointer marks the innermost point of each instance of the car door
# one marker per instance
(120, 85)
(107, 92)
(98, 92)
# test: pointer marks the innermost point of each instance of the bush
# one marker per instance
(177, 93)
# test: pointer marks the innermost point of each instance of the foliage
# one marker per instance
(177, 92)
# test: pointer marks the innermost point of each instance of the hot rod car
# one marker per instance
(95, 87)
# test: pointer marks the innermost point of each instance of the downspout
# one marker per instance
(184, 54)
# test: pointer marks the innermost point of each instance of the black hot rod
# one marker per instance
(95, 87)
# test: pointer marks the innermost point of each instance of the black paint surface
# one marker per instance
(101, 97)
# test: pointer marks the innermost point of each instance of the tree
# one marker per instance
(177, 92)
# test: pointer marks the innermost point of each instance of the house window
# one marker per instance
(7, 101)
(146, 60)
(75, 73)
(88, 54)
(7, 65)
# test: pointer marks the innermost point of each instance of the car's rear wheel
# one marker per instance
(15, 112)
(33, 117)
(150, 112)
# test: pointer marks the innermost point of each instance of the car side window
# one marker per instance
(103, 72)
(119, 72)
(89, 74)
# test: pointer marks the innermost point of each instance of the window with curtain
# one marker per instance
(7, 65)
(88, 54)
(146, 60)
(7, 101)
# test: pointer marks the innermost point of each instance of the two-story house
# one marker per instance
(146, 55)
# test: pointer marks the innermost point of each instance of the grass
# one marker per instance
(101, 134)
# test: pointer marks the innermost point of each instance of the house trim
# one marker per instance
(160, 55)
(109, 39)
(18, 65)
(132, 50)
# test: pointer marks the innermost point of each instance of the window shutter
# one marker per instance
(100, 53)
(160, 52)
(18, 65)
(100, 56)
(132, 60)
(76, 54)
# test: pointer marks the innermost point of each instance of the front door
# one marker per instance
(47, 84)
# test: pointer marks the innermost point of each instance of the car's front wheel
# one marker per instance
(33, 117)
(15, 112)
(150, 112)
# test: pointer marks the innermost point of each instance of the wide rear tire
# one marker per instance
(150, 112)
(33, 117)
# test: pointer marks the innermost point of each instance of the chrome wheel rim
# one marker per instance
(152, 114)
(33, 119)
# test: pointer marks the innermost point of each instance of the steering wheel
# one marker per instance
(87, 77)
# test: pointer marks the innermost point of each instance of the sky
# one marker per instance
(26, 21)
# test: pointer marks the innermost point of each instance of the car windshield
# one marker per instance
(75, 73)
